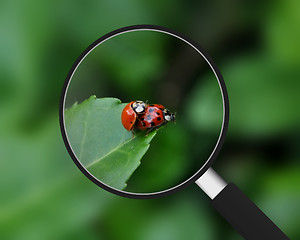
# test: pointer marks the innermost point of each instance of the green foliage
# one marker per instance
(101, 143)
(41, 186)
(45, 196)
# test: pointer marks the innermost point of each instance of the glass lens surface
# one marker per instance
(157, 68)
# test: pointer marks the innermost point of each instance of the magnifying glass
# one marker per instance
(111, 157)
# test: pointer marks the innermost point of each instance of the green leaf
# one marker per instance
(101, 143)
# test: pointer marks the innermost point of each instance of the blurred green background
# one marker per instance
(44, 195)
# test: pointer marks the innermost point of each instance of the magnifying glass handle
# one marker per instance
(238, 210)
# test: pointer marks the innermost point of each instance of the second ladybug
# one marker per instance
(154, 116)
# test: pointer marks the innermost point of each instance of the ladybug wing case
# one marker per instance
(128, 117)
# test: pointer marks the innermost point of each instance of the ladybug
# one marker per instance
(154, 116)
(130, 113)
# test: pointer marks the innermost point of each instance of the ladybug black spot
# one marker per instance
(157, 113)
(142, 119)
(159, 118)
(151, 110)
(152, 124)
(162, 109)
(143, 124)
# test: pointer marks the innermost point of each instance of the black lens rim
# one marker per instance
(223, 132)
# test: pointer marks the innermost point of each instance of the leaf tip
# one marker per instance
(151, 136)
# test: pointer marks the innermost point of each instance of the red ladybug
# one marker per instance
(130, 113)
(154, 116)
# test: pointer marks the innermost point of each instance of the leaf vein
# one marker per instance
(110, 152)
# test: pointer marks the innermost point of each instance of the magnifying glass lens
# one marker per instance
(143, 112)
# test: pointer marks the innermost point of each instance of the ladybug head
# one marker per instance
(139, 107)
(168, 115)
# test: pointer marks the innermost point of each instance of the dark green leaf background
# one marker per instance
(255, 45)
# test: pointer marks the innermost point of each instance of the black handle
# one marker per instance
(245, 216)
